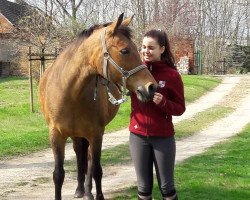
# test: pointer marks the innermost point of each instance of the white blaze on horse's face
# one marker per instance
(126, 67)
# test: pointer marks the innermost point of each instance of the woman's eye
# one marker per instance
(124, 51)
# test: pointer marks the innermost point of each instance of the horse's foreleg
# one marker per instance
(58, 147)
(95, 151)
(81, 149)
(88, 182)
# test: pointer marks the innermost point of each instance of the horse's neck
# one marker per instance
(79, 79)
(79, 63)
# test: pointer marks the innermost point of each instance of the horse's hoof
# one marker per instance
(79, 193)
(88, 197)
(100, 197)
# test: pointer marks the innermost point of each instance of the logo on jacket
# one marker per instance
(162, 84)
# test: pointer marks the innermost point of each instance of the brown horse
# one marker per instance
(78, 96)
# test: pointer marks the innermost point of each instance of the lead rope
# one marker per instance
(124, 98)
(112, 99)
(96, 82)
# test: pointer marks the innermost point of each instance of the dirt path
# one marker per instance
(30, 177)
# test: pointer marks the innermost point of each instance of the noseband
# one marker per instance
(125, 73)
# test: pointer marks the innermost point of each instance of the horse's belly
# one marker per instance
(79, 116)
(83, 122)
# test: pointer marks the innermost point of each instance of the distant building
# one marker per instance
(183, 50)
(10, 14)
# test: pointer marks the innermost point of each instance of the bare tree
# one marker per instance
(221, 23)
(213, 25)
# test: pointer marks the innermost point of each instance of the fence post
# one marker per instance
(199, 62)
(31, 82)
(42, 62)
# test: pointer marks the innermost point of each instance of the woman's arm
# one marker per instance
(174, 104)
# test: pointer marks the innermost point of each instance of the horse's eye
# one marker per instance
(124, 51)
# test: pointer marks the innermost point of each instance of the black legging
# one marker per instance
(160, 151)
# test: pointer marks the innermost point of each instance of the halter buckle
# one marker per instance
(126, 74)
(106, 55)
(113, 100)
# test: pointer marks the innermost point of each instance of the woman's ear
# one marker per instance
(162, 49)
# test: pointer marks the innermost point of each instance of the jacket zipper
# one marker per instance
(147, 114)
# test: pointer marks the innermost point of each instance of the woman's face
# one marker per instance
(151, 50)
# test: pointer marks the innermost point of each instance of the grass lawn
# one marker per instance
(200, 121)
(222, 172)
(195, 86)
(23, 132)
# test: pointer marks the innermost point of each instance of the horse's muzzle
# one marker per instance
(147, 92)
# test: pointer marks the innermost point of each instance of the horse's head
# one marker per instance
(121, 62)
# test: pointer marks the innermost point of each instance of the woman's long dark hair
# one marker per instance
(162, 39)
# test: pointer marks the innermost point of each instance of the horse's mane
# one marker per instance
(86, 33)
(124, 30)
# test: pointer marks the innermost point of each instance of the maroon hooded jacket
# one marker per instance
(149, 119)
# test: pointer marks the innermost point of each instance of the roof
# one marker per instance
(12, 11)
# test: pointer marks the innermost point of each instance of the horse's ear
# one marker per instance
(117, 23)
(127, 21)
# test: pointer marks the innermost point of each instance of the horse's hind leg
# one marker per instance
(58, 147)
(81, 149)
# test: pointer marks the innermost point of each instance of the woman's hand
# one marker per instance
(157, 98)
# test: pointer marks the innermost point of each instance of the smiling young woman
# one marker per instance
(152, 139)
(151, 50)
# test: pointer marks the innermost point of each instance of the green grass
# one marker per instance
(121, 119)
(221, 173)
(112, 156)
(196, 86)
(200, 121)
(23, 132)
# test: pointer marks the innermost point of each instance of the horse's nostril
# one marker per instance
(146, 93)
(140, 89)
(152, 89)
